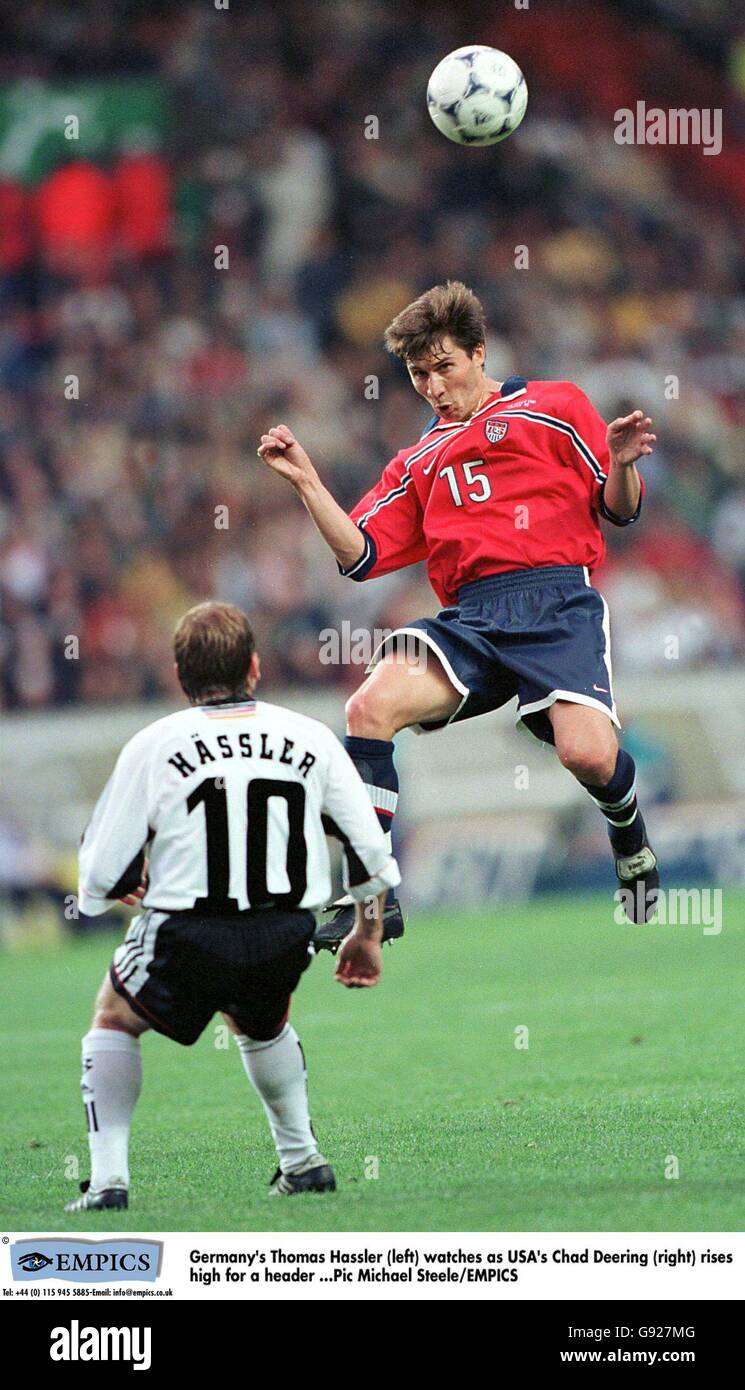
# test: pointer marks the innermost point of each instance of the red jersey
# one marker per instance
(518, 486)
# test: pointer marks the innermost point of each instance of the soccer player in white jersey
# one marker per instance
(216, 818)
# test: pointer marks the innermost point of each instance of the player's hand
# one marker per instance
(628, 438)
(132, 899)
(359, 962)
(280, 450)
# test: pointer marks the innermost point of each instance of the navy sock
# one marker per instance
(373, 758)
(617, 801)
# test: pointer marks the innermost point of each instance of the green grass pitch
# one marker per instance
(634, 1060)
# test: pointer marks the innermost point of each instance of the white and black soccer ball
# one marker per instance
(477, 95)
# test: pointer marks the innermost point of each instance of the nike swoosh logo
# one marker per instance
(602, 689)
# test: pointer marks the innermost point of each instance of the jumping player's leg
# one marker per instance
(403, 689)
(111, 1083)
(585, 741)
(587, 745)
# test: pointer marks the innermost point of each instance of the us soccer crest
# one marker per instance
(495, 430)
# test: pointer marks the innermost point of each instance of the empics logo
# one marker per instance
(34, 1261)
(76, 1343)
(87, 1261)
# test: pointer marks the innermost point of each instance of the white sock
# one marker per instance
(276, 1069)
(111, 1083)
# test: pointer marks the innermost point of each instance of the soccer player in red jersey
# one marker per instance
(502, 496)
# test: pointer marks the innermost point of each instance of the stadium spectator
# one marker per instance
(123, 503)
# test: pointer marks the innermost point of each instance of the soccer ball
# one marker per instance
(477, 95)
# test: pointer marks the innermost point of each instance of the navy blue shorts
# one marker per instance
(541, 635)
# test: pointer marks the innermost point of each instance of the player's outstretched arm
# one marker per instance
(628, 439)
(360, 956)
(281, 452)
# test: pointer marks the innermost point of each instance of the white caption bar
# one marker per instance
(421, 1266)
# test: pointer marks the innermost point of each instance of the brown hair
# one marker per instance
(445, 311)
(213, 645)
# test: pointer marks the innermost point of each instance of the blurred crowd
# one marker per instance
(128, 497)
